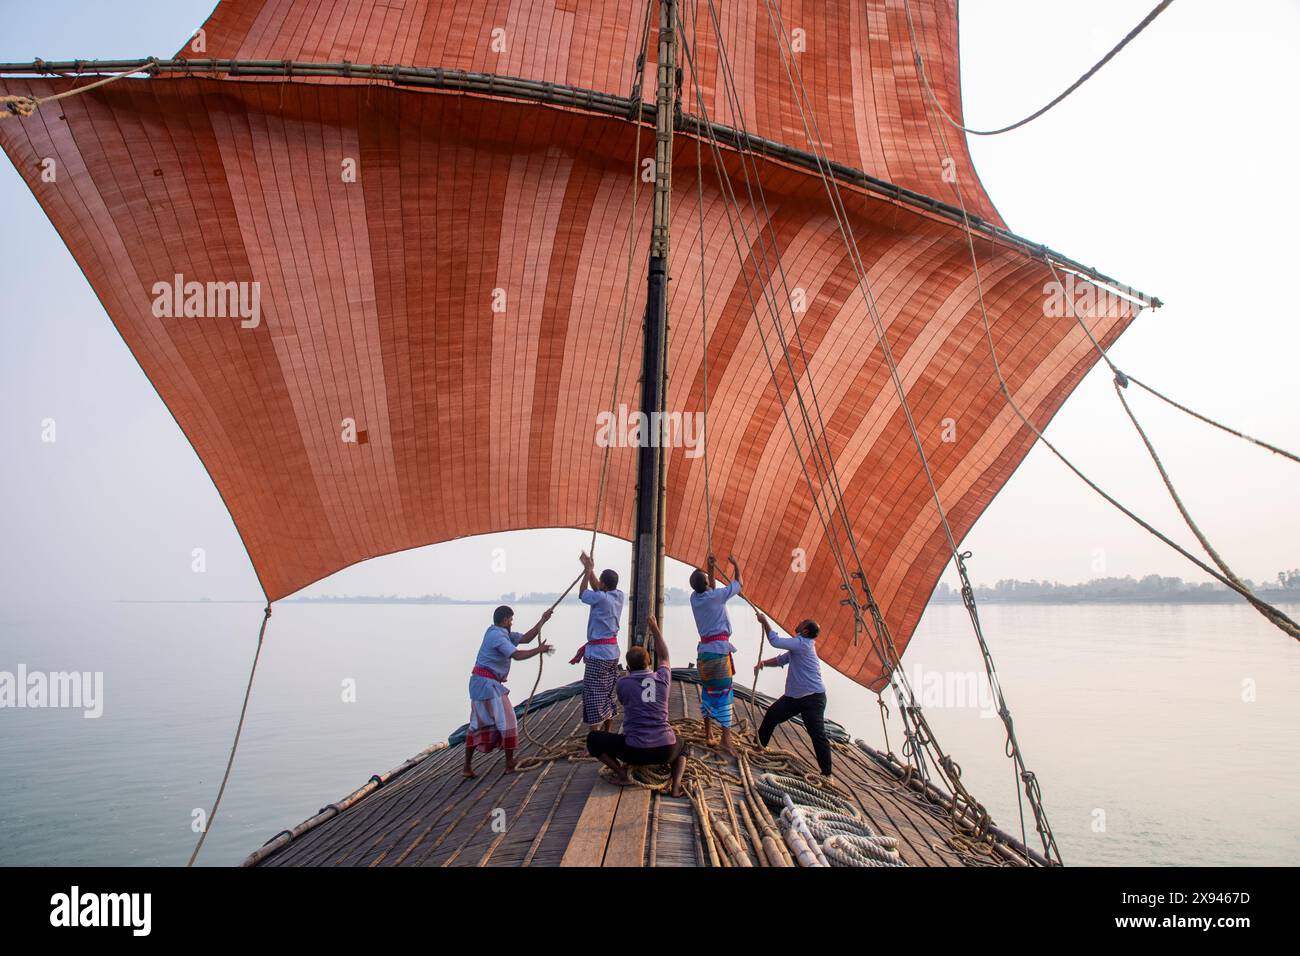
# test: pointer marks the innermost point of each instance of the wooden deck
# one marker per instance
(563, 814)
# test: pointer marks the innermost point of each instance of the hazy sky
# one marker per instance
(1165, 171)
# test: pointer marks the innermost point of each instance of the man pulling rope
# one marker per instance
(491, 717)
(600, 654)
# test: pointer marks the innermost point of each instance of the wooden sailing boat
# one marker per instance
(439, 211)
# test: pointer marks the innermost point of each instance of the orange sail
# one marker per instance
(438, 277)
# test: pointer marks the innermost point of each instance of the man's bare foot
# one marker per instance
(730, 750)
(677, 791)
(710, 742)
(468, 774)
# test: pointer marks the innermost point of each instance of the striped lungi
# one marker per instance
(716, 673)
(492, 724)
(598, 680)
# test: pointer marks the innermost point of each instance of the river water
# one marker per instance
(1161, 734)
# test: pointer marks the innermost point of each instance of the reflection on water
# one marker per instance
(1161, 734)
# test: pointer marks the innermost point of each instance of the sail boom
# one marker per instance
(502, 86)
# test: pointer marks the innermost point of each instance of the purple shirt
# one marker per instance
(644, 696)
(710, 610)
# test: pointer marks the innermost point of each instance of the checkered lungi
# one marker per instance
(598, 680)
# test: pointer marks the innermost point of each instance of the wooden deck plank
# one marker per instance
(591, 835)
(627, 836)
(555, 842)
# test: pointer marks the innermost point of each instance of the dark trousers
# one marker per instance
(813, 711)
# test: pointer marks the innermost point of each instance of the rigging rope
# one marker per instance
(919, 736)
(618, 360)
(1271, 613)
(774, 310)
(1275, 616)
(704, 342)
(1227, 577)
(925, 80)
(1158, 394)
(759, 246)
(239, 729)
(816, 141)
(1210, 421)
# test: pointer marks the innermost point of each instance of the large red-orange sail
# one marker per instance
(459, 301)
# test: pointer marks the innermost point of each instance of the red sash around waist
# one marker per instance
(602, 640)
(714, 638)
(480, 671)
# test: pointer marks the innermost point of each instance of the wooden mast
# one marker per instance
(648, 538)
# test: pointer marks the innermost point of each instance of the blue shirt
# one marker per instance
(710, 610)
(494, 654)
(805, 674)
(606, 609)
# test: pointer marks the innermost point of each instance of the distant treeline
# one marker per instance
(1153, 587)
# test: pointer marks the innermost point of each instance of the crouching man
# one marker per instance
(648, 738)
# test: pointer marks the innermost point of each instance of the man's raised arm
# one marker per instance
(661, 648)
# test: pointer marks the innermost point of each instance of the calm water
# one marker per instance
(1139, 721)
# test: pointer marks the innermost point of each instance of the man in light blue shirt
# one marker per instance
(714, 654)
(600, 653)
(492, 721)
(805, 694)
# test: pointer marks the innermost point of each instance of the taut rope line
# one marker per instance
(239, 729)
(921, 736)
(925, 81)
(816, 141)
(1228, 579)
(618, 367)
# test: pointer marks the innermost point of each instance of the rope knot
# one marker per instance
(17, 106)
